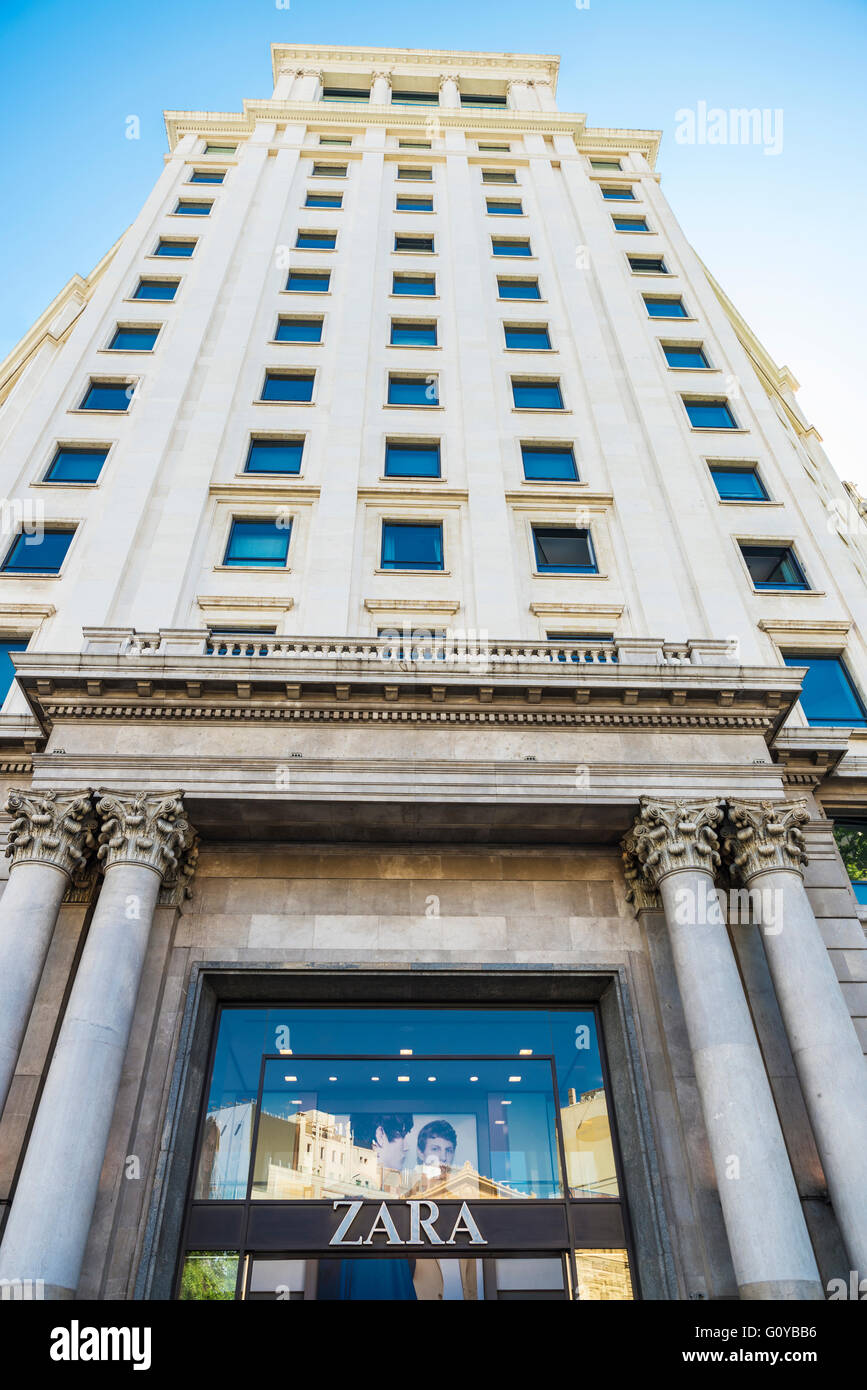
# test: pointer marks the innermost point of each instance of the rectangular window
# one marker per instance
(411, 175)
(828, 695)
(286, 386)
(413, 144)
(414, 204)
(528, 337)
(269, 455)
(630, 224)
(476, 99)
(851, 837)
(412, 545)
(493, 149)
(76, 464)
(261, 543)
(220, 149)
(329, 171)
(413, 390)
(167, 247)
(108, 395)
(343, 141)
(735, 484)
(536, 395)
(415, 98)
(129, 338)
(413, 284)
(324, 200)
(156, 289)
(618, 195)
(549, 463)
(207, 176)
(299, 331)
(709, 415)
(606, 166)
(359, 95)
(665, 308)
(677, 355)
(39, 554)
(499, 176)
(412, 333)
(648, 265)
(318, 241)
(518, 289)
(563, 550)
(774, 567)
(7, 670)
(412, 460)
(185, 209)
(503, 246)
(308, 281)
(421, 245)
(497, 207)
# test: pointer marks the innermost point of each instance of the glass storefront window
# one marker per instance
(391, 1279)
(209, 1274)
(603, 1275)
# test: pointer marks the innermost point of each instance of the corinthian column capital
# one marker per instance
(765, 835)
(672, 835)
(51, 828)
(147, 829)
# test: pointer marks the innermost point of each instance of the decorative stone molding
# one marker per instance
(150, 830)
(639, 889)
(383, 75)
(765, 835)
(448, 77)
(50, 828)
(672, 835)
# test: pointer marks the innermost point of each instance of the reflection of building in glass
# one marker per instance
(225, 1159)
(310, 1155)
(460, 1184)
(603, 1274)
(587, 1141)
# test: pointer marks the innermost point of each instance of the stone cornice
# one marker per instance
(419, 61)
(49, 828)
(763, 835)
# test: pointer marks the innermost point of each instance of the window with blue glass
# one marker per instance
(630, 224)
(527, 336)
(659, 308)
(737, 484)
(288, 386)
(828, 695)
(167, 247)
(156, 289)
(187, 209)
(308, 281)
(76, 464)
(324, 200)
(412, 545)
(414, 204)
(851, 837)
(206, 176)
(412, 460)
(412, 333)
(648, 265)
(7, 670)
(682, 356)
(295, 330)
(709, 415)
(413, 390)
(618, 195)
(39, 553)
(774, 567)
(130, 338)
(421, 245)
(563, 550)
(414, 284)
(316, 241)
(536, 395)
(504, 208)
(108, 395)
(554, 463)
(518, 289)
(510, 246)
(269, 455)
(261, 543)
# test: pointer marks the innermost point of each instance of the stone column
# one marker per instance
(308, 85)
(673, 847)
(284, 85)
(380, 91)
(48, 844)
(144, 839)
(545, 93)
(521, 96)
(450, 94)
(768, 855)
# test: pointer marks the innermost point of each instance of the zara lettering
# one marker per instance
(422, 1229)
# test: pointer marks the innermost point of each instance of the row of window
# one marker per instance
(600, 165)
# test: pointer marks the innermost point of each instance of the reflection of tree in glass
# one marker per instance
(209, 1275)
(852, 844)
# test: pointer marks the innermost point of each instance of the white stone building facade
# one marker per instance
(403, 349)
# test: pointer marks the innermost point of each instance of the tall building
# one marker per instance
(438, 647)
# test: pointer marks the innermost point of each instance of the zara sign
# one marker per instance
(422, 1228)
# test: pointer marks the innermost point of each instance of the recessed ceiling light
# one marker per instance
(403, 1078)
(374, 1078)
(431, 1078)
(406, 1052)
(474, 1078)
(514, 1078)
(526, 1052)
(296, 1102)
(290, 1078)
(332, 1078)
(285, 1052)
(499, 1122)
(505, 1102)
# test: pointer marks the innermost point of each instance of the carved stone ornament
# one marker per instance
(148, 829)
(447, 77)
(51, 828)
(639, 889)
(385, 76)
(765, 835)
(671, 835)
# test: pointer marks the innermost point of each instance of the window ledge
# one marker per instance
(547, 351)
(671, 318)
(749, 502)
(511, 256)
(429, 297)
(35, 574)
(154, 257)
(253, 569)
(311, 250)
(504, 299)
(115, 414)
(305, 404)
(433, 574)
(413, 253)
(294, 342)
(49, 482)
(538, 410)
(133, 300)
(391, 405)
(320, 294)
(635, 231)
(801, 593)
(119, 352)
(715, 429)
(417, 347)
(404, 478)
(705, 371)
(571, 574)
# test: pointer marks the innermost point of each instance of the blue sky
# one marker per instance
(780, 232)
